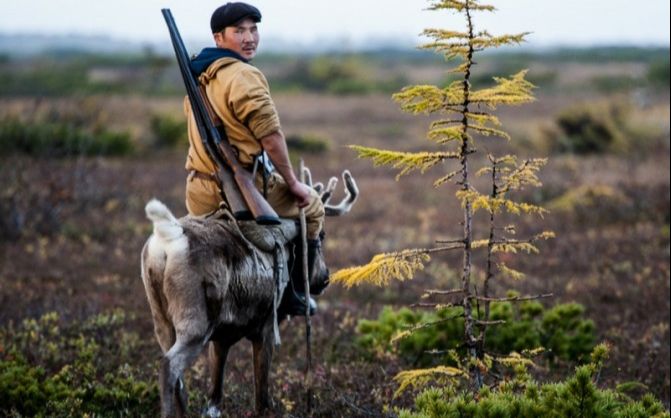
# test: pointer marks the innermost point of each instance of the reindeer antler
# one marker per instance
(345, 205)
(308, 179)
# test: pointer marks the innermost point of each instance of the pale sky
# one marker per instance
(563, 22)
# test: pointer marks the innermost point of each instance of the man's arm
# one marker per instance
(276, 147)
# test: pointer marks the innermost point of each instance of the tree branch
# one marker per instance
(514, 298)
(445, 248)
(431, 324)
(432, 292)
(436, 305)
(449, 241)
(497, 322)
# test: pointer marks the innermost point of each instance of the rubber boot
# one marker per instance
(293, 303)
(314, 248)
(293, 300)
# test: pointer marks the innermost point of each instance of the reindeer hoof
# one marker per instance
(212, 412)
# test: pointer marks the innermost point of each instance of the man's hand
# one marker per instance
(301, 192)
(276, 147)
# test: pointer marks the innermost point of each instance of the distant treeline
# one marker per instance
(69, 72)
(598, 55)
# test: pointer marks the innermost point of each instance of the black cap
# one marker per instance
(231, 13)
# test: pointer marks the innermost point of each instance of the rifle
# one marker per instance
(237, 183)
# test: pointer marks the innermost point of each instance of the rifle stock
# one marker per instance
(228, 183)
(233, 196)
(245, 195)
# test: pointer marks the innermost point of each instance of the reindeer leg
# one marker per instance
(217, 361)
(263, 354)
(182, 398)
(174, 362)
(167, 389)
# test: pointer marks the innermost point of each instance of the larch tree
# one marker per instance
(464, 115)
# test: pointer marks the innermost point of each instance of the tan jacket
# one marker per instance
(240, 96)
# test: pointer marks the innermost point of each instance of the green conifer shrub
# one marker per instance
(577, 396)
(562, 330)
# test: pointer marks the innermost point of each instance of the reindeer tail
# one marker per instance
(166, 226)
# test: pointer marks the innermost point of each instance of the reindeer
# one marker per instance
(205, 285)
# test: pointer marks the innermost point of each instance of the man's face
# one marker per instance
(242, 38)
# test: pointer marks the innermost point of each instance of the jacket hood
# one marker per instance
(207, 56)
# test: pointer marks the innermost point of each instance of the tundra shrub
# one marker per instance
(590, 128)
(595, 205)
(578, 396)
(49, 368)
(338, 75)
(168, 132)
(59, 139)
(562, 330)
(659, 72)
(311, 144)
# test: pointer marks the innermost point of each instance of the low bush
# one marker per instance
(658, 72)
(43, 79)
(590, 128)
(311, 144)
(344, 74)
(611, 126)
(562, 330)
(595, 204)
(60, 139)
(577, 396)
(168, 131)
(90, 368)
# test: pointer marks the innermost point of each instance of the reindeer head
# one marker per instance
(320, 272)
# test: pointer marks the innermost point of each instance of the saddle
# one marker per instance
(262, 237)
(265, 237)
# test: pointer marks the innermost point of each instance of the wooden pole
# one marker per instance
(306, 280)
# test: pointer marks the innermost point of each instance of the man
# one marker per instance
(240, 96)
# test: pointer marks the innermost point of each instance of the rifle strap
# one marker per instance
(260, 161)
(278, 265)
(266, 174)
